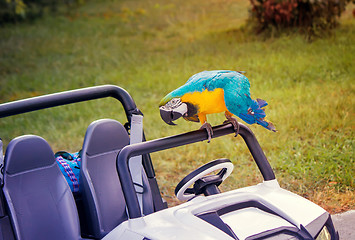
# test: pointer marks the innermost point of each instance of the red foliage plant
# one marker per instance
(310, 15)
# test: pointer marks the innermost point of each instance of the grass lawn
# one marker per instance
(152, 47)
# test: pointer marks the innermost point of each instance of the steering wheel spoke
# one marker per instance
(203, 182)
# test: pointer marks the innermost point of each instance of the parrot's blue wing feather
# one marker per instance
(236, 93)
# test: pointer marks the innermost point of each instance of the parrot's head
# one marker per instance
(172, 110)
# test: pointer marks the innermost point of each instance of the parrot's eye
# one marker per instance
(175, 102)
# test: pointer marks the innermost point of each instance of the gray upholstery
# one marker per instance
(103, 200)
(40, 201)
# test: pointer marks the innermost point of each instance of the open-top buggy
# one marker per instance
(37, 203)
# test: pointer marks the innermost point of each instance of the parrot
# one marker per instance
(211, 92)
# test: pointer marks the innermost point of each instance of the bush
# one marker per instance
(20, 10)
(311, 16)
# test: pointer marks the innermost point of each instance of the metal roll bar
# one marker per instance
(68, 97)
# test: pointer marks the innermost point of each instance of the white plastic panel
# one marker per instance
(250, 221)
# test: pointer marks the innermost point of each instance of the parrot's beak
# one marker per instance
(169, 115)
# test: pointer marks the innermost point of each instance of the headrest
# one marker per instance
(105, 135)
(26, 153)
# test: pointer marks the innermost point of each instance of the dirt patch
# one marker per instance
(333, 201)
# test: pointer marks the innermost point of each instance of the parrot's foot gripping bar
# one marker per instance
(234, 123)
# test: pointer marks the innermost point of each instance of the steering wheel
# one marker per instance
(202, 180)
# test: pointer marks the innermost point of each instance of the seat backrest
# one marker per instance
(41, 205)
(102, 196)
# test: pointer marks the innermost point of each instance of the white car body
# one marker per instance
(181, 222)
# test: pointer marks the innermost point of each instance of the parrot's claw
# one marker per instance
(209, 130)
(234, 122)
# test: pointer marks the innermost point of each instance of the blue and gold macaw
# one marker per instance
(210, 92)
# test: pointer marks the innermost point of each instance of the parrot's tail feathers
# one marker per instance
(261, 103)
(271, 127)
(268, 125)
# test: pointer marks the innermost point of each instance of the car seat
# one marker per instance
(40, 203)
(102, 197)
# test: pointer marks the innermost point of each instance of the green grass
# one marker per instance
(152, 47)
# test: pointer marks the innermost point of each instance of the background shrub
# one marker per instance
(313, 17)
(22, 10)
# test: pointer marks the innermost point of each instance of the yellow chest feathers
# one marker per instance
(207, 101)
